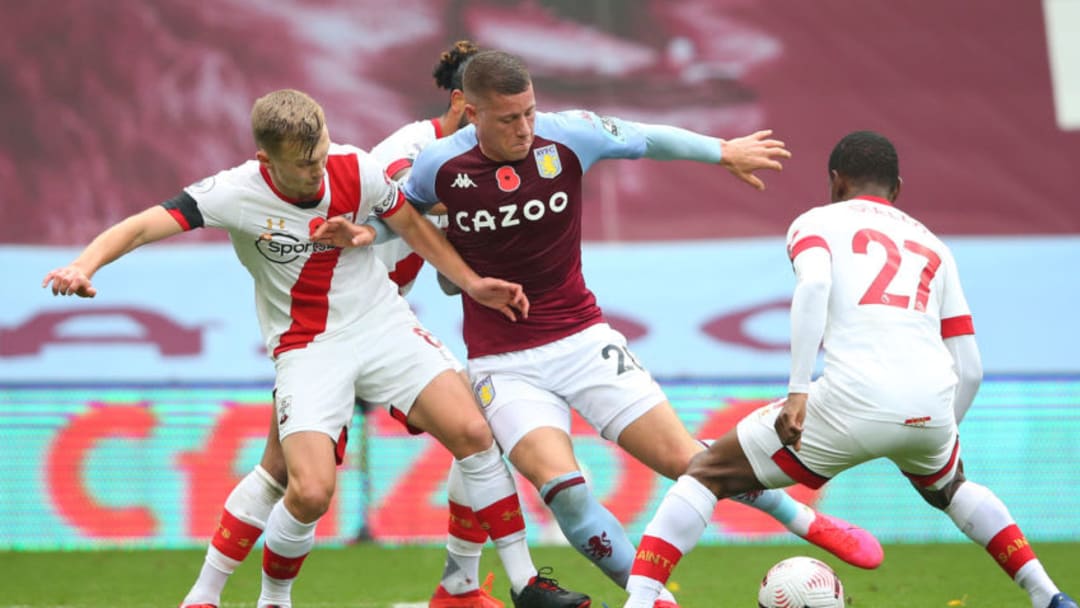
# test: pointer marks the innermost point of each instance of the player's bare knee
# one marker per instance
(310, 499)
(474, 435)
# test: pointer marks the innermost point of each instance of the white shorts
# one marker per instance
(592, 372)
(388, 363)
(833, 442)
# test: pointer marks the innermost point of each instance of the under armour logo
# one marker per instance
(463, 181)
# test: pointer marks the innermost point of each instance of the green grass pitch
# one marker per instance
(370, 576)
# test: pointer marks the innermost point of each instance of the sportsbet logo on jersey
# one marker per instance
(282, 247)
(510, 215)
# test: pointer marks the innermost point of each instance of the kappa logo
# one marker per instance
(463, 181)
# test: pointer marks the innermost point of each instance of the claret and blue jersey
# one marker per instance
(521, 221)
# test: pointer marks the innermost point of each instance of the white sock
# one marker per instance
(679, 521)
(291, 540)
(1032, 577)
(461, 569)
(250, 502)
(683, 514)
(487, 481)
(981, 515)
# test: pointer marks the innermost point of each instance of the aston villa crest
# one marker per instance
(485, 391)
(547, 161)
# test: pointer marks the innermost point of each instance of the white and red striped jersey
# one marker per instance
(304, 291)
(397, 152)
(895, 294)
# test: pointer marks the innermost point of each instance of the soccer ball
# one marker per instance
(801, 582)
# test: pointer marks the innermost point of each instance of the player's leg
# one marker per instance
(529, 413)
(243, 519)
(310, 457)
(985, 519)
(445, 408)
(522, 397)
(748, 458)
(660, 441)
(684, 513)
(314, 400)
(460, 582)
(432, 396)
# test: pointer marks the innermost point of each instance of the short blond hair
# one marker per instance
(284, 117)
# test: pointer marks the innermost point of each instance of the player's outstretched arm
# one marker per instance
(145, 227)
(743, 156)
(430, 242)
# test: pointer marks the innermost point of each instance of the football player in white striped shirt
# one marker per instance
(901, 368)
(247, 507)
(333, 323)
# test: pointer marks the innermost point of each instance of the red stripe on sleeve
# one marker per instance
(807, 242)
(397, 165)
(957, 326)
(397, 206)
(180, 219)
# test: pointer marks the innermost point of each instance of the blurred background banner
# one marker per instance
(144, 466)
(126, 419)
(712, 308)
(113, 106)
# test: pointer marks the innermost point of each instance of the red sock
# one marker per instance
(1010, 550)
(655, 559)
(502, 518)
(464, 524)
(234, 538)
(281, 568)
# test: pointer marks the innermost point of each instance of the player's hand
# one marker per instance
(503, 296)
(744, 155)
(789, 423)
(69, 280)
(340, 232)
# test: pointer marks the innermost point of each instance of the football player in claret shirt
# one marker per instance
(901, 367)
(512, 186)
(332, 321)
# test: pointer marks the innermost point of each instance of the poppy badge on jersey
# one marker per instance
(485, 391)
(507, 178)
(547, 161)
